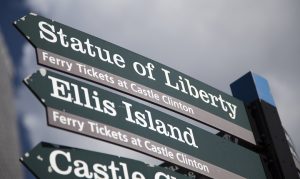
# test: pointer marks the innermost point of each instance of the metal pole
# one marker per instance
(269, 133)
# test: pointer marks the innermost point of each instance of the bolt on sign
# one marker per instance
(74, 52)
(60, 162)
(92, 111)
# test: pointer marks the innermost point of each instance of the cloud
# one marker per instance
(28, 62)
(212, 41)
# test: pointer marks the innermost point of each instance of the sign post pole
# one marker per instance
(268, 130)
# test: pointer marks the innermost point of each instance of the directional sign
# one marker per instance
(74, 52)
(87, 110)
(60, 162)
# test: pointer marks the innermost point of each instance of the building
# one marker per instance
(10, 167)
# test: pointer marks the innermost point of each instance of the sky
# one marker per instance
(213, 41)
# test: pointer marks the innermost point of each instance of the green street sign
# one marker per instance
(60, 162)
(94, 112)
(74, 52)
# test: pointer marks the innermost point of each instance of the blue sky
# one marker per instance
(212, 41)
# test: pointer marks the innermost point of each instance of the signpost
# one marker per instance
(74, 52)
(60, 162)
(254, 90)
(87, 110)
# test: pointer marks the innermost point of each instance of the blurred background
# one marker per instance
(213, 41)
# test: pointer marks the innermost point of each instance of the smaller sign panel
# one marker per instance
(60, 162)
(91, 111)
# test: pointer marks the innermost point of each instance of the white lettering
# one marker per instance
(51, 36)
(59, 90)
(52, 159)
